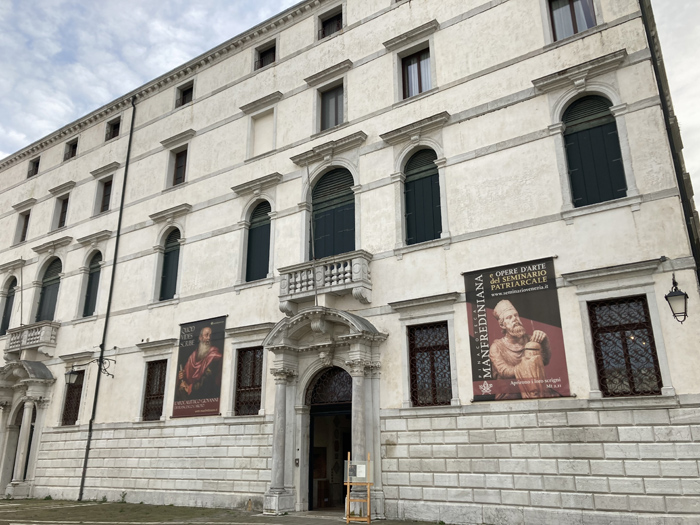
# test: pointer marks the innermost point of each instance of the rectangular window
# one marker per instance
(248, 381)
(331, 25)
(106, 195)
(62, 206)
(184, 95)
(415, 70)
(71, 405)
(332, 107)
(625, 352)
(266, 57)
(571, 16)
(429, 358)
(112, 130)
(71, 150)
(23, 227)
(155, 390)
(33, 167)
(180, 165)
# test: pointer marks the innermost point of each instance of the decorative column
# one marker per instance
(277, 499)
(357, 371)
(23, 441)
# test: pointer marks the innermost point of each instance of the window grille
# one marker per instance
(71, 150)
(171, 256)
(49, 291)
(332, 386)
(71, 405)
(331, 25)
(155, 390)
(333, 204)
(93, 283)
(7, 308)
(265, 58)
(258, 256)
(625, 352)
(429, 356)
(422, 194)
(249, 381)
(185, 94)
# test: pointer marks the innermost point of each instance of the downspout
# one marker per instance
(100, 361)
(684, 186)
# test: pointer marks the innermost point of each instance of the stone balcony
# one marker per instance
(338, 275)
(40, 337)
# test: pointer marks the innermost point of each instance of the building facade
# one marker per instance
(440, 233)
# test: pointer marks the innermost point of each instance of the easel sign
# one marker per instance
(359, 474)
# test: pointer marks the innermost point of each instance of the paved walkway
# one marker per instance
(48, 512)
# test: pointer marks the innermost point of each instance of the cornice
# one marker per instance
(412, 35)
(257, 185)
(169, 79)
(9, 266)
(171, 213)
(150, 348)
(52, 245)
(261, 329)
(268, 100)
(329, 73)
(62, 188)
(104, 170)
(94, 238)
(577, 75)
(431, 300)
(24, 205)
(621, 271)
(76, 357)
(415, 129)
(178, 139)
(328, 149)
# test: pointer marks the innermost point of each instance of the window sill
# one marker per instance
(81, 320)
(329, 130)
(444, 242)
(167, 302)
(68, 160)
(176, 108)
(18, 244)
(244, 420)
(332, 35)
(583, 34)
(156, 422)
(633, 201)
(176, 187)
(267, 281)
(256, 71)
(260, 156)
(59, 229)
(419, 96)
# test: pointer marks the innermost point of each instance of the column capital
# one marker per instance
(358, 367)
(283, 375)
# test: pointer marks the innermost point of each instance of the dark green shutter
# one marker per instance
(593, 152)
(92, 285)
(422, 195)
(7, 309)
(258, 259)
(171, 256)
(49, 291)
(333, 214)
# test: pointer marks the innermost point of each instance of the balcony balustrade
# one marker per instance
(39, 336)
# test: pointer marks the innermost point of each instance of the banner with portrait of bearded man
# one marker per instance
(517, 344)
(198, 377)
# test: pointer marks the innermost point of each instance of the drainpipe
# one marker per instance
(100, 361)
(674, 140)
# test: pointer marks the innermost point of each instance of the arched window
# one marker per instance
(7, 308)
(593, 152)
(422, 193)
(171, 256)
(258, 258)
(333, 204)
(49, 291)
(93, 283)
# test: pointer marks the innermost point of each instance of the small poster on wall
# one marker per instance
(517, 344)
(198, 378)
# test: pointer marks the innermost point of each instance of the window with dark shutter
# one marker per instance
(332, 107)
(180, 165)
(429, 356)
(624, 347)
(49, 291)
(258, 256)
(93, 283)
(416, 73)
(155, 390)
(171, 256)
(33, 167)
(265, 58)
(571, 16)
(333, 204)
(248, 381)
(63, 203)
(7, 307)
(106, 195)
(112, 130)
(24, 226)
(331, 25)
(184, 95)
(422, 194)
(71, 405)
(593, 152)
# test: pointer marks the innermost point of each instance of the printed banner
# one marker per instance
(517, 345)
(198, 379)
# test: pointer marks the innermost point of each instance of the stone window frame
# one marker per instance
(160, 350)
(62, 193)
(102, 176)
(37, 284)
(4, 292)
(244, 226)
(188, 84)
(636, 279)
(109, 128)
(329, 12)
(84, 279)
(79, 361)
(274, 42)
(548, 29)
(420, 311)
(174, 145)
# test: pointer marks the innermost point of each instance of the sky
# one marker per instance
(61, 59)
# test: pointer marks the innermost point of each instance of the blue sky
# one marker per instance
(60, 59)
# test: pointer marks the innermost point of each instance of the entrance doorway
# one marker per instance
(330, 399)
